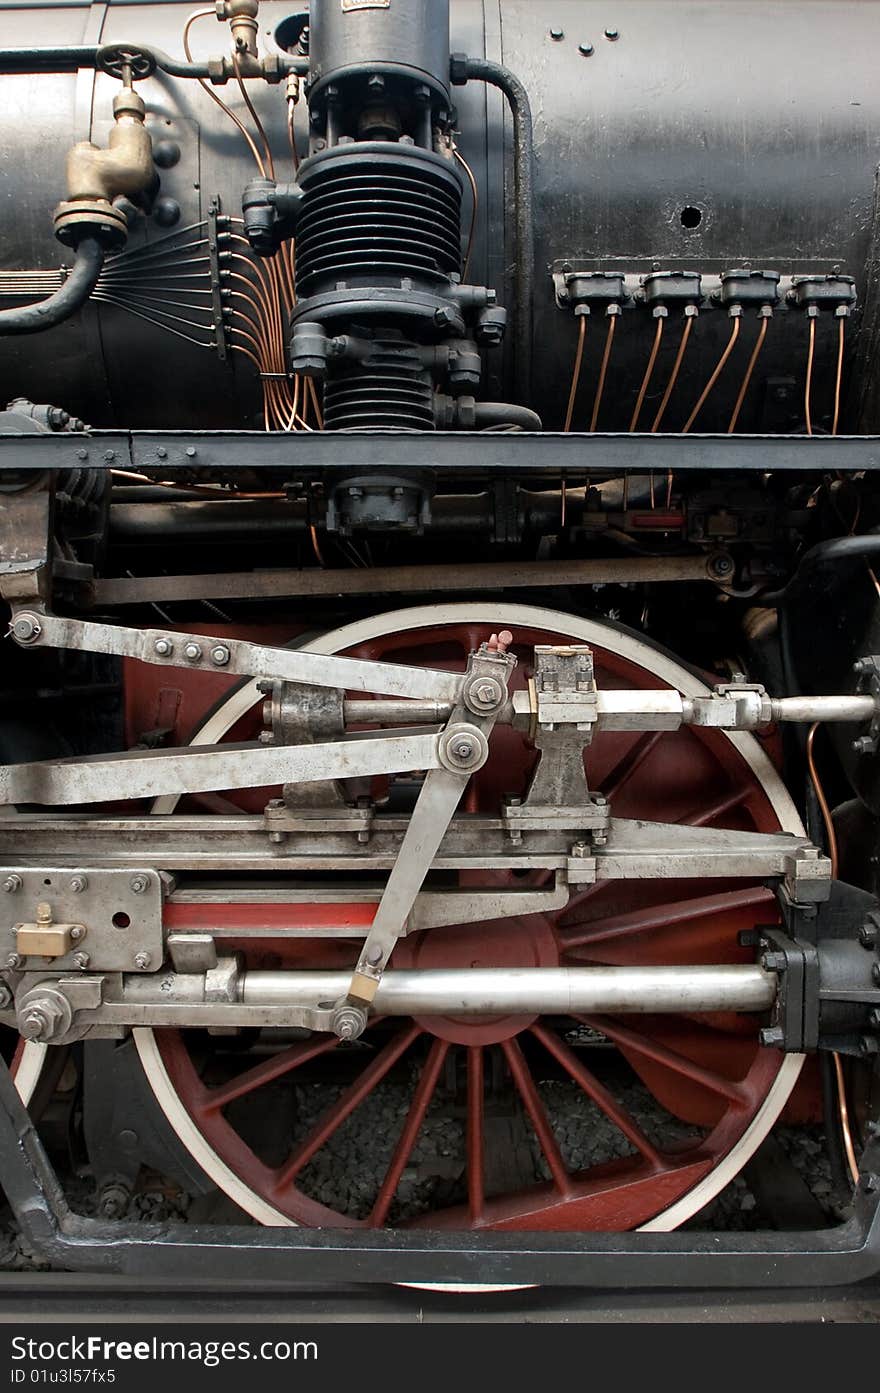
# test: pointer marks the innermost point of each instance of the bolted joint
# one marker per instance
(348, 1022)
(26, 628)
(44, 1016)
(483, 694)
(462, 748)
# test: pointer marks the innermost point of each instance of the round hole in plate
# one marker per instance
(691, 217)
(121, 920)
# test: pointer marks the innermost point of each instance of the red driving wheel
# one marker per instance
(678, 1103)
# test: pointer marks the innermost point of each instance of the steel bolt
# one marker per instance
(164, 647)
(26, 628)
(348, 1022)
(11, 884)
(220, 655)
(864, 745)
(5, 996)
(869, 1044)
(82, 454)
(77, 932)
(862, 666)
(78, 884)
(773, 962)
(161, 452)
(13, 960)
(772, 1037)
(874, 1018)
(869, 935)
(41, 1019)
(870, 1183)
(191, 451)
(193, 652)
(138, 884)
(142, 961)
(81, 960)
(109, 455)
(463, 748)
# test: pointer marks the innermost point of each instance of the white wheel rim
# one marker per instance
(498, 615)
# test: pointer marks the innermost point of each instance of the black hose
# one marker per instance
(503, 413)
(838, 549)
(72, 295)
(481, 70)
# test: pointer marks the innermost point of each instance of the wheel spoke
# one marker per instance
(662, 916)
(265, 1072)
(634, 758)
(613, 1110)
(662, 1054)
(345, 1105)
(421, 1098)
(702, 816)
(475, 1173)
(535, 1108)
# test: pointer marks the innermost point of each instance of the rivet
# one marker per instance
(612, 34)
(586, 49)
(557, 34)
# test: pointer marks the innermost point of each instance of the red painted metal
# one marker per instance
(708, 1072)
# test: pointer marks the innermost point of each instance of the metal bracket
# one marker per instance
(104, 920)
(214, 234)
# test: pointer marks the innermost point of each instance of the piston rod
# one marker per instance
(484, 991)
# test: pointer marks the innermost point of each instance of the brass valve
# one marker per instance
(96, 177)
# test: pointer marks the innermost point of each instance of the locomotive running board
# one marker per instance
(838, 1256)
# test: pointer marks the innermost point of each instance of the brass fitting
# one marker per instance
(96, 177)
(242, 16)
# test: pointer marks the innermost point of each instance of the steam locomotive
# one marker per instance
(441, 696)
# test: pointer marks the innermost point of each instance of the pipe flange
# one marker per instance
(82, 217)
(117, 59)
(462, 748)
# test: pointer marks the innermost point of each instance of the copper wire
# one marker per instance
(475, 203)
(734, 335)
(841, 334)
(600, 386)
(831, 839)
(673, 376)
(809, 380)
(646, 380)
(576, 372)
(762, 334)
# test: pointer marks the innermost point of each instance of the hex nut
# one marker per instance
(142, 961)
(11, 884)
(138, 884)
(164, 647)
(192, 652)
(81, 960)
(220, 655)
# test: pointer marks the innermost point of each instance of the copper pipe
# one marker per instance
(576, 373)
(831, 838)
(270, 163)
(600, 388)
(839, 375)
(649, 371)
(809, 381)
(762, 334)
(206, 86)
(734, 335)
(673, 376)
(475, 203)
